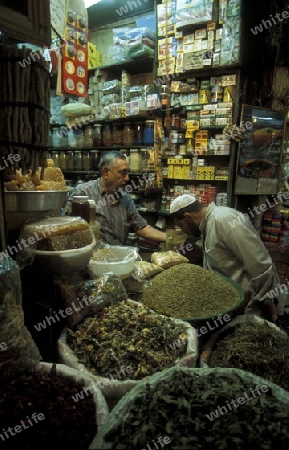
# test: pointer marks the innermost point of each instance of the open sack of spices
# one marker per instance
(52, 407)
(253, 344)
(189, 292)
(199, 409)
(124, 343)
(19, 352)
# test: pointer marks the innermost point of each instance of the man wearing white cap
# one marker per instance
(231, 247)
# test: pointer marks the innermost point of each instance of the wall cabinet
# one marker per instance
(26, 21)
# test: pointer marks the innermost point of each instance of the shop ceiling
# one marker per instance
(112, 10)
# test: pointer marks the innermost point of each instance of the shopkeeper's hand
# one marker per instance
(271, 311)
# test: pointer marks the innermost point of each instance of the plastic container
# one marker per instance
(122, 264)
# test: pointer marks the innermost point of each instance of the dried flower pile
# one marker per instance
(127, 334)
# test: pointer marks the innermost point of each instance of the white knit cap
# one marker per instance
(181, 202)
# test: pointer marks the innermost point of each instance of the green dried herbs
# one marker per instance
(127, 335)
(62, 424)
(257, 348)
(188, 291)
(179, 403)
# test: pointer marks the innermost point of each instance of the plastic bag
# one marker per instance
(146, 270)
(83, 298)
(116, 388)
(19, 352)
(168, 259)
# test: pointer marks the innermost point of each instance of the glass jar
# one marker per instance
(117, 133)
(149, 132)
(63, 141)
(55, 136)
(72, 138)
(88, 136)
(77, 160)
(70, 160)
(55, 157)
(62, 160)
(80, 138)
(144, 156)
(134, 160)
(107, 135)
(86, 160)
(80, 207)
(128, 134)
(97, 135)
(94, 159)
(138, 133)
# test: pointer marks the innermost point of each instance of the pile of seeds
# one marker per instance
(127, 335)
(190, 407)
(257, 348)
(188, 291)
(59, 423)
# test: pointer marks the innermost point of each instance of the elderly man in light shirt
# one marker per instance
(231, 247)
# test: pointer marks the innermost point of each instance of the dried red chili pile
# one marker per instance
(66, 424)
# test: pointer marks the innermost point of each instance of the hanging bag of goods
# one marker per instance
(25, 108)
(19, 352)
(253, 344)
(125, 343)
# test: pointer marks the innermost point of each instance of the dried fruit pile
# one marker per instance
(127, 334)
(257, 348)
(65, 424)
(188, 291)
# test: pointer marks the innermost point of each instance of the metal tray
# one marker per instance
(35, 201)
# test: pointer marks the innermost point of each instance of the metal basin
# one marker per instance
(35, 201)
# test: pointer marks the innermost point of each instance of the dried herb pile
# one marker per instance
(66, 424)
(257, 348)
(189, 291)
(178, 407)
(127, 334)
